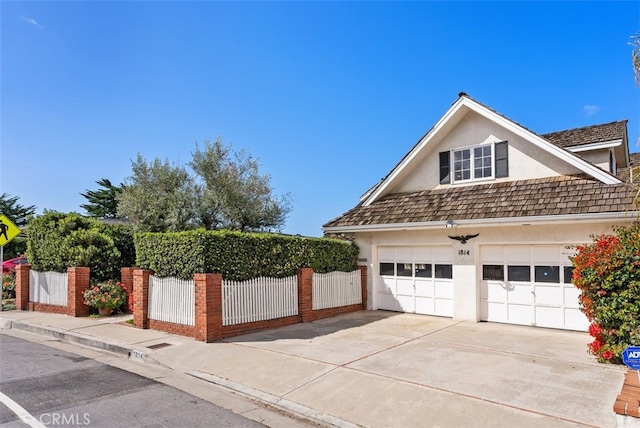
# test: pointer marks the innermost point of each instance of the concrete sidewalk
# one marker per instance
(379, 369)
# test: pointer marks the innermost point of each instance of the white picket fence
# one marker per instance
(334, 289)
(172, 300)
(48, 287)
(259, 299)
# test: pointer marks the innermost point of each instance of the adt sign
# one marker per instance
(631, 357)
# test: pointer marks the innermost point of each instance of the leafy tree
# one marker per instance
(157, 197)
(635, 56)
(20, 215)
(102, 202)
(226, 191)
(232, 193)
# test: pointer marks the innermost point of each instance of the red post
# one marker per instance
(363, 284)
(22, 286)
(208, 311)
(305, 294)
(126, 279)
(77, 283)
(141, 298)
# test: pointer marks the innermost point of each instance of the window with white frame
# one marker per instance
(473, 163)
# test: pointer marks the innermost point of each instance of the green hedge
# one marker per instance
(238, 255)
(56, 241)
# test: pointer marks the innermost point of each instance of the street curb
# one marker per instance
(274, 400)
(132, 354)
(66, 337)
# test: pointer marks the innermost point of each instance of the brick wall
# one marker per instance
(126, 279)
(77, 283)
(628, 402)
(208, 307)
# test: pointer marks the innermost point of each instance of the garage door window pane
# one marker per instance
(493, 272)
(423, 270)
(444, 271)
(386, 269)
(519, 273)
(568, 274)
(404, 269)
(548, 274)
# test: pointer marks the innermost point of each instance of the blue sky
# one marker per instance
(328, 95)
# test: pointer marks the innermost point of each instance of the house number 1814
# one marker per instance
(464, 252)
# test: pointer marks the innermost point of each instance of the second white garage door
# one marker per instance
(415, 279)
(529, 285)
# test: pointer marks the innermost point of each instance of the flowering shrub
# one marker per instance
(9, 286)
(105, 295)
(607, 272)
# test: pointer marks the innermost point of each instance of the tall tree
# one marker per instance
(157, 197)
(18, 213)
(234, 194)
(102, 203)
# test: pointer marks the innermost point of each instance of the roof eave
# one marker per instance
(627, 216)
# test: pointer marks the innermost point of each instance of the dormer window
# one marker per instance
(474, 163)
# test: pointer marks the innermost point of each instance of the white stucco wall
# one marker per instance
(599, 158)
(526, 161)
(467, 268)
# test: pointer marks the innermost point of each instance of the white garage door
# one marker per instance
(530, 285)
(416, 279)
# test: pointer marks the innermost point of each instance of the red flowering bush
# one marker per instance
(607, 272)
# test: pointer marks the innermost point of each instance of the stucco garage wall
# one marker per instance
(467, 270)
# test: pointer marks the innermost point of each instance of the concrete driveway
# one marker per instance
(383, 369)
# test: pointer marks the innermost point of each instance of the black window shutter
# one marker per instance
(502, 159)
(445, 175)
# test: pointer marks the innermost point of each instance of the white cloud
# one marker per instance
(591, 110)
(32, 22)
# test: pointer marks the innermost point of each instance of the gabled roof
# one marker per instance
(459, 108)
(603, 133)
(496, 202)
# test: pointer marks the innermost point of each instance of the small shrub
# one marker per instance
(8, 286)
(105, 295)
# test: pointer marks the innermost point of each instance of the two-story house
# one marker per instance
(478, 220)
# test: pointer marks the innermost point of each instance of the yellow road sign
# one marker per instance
(8, 230)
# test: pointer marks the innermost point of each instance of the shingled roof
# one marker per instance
(588, 135)
(561, 195)
(624, 174)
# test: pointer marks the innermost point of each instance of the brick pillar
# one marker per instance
(126, 279)
(22, 286)
(141, 297)
(363, 282)
(77, 283)
(208, 311)
(305, 294)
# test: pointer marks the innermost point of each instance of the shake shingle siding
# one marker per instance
(551, 196)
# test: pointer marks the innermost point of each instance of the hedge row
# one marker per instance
(238, 255)
(57, 240)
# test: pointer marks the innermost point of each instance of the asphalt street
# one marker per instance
(59, 388)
